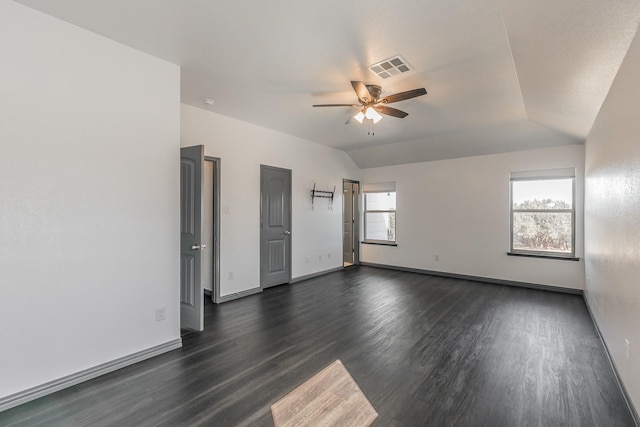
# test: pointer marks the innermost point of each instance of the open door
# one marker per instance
(191, 212)
(350, 227)
(275, 226)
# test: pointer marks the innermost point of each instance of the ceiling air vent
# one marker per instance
(391, 66)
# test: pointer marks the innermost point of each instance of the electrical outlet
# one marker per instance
(161, 313)
(231, 275)
(306, 260)
(329, 255)
(436, 257)
(627, 345)
(319, 257)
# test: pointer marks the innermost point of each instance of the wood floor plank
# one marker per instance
(329, 398)
(425, 350)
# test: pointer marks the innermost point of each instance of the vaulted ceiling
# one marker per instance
(501, 75)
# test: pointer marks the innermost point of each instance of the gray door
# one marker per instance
(191, 212)
(275, 226)
(350, 222)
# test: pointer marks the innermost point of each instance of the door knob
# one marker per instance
(195, 247)
(287, 233)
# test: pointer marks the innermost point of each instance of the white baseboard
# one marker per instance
(73, 379)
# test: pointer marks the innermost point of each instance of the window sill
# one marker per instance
(561, 258)
(379, 243)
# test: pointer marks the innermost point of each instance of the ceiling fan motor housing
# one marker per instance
(375, 91)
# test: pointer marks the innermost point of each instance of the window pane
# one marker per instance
(549, 232)
(380, 226)
(543, 194)
(380, 201)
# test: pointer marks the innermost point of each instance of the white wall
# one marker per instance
(242, 148)
(612, 220)
(459, 210)
(89, 195)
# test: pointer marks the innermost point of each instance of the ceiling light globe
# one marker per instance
(372, 114)
(369, 113)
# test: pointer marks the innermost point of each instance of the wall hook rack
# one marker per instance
(323, 195)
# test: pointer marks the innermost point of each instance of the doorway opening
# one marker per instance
(350, 223)
(211, 229)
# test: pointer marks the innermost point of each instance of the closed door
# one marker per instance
(191, 213)
(275, 226)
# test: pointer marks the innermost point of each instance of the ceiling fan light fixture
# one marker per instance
(372, 105)
(372, 114)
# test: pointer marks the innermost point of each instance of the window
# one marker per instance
(380, 213)
(543, 213)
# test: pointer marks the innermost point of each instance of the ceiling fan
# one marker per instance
(372, 105)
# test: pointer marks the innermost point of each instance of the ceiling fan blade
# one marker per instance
(390, 111)
(404, 95)
(361, 90)
(336, 105)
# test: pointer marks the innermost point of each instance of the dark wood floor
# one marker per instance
(426, 351)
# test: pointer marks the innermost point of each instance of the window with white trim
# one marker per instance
(380, 213)
(543, 213)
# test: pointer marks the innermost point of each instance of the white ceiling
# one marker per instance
(501, 75)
